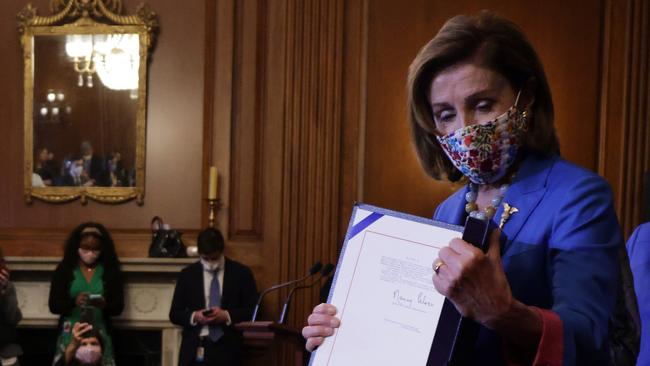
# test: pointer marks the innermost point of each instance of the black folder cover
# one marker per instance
(455, 335)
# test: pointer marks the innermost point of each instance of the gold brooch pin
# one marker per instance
(507, 211)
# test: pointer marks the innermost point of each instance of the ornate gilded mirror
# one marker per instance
(85, 100)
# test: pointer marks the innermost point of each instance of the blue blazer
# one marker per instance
(559, 252)
(638, 249)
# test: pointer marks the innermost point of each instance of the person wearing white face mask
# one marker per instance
(481, 114)
(87, 286)
(85, 347)
(211, 296)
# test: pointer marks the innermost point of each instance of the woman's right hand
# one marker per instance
(82, 299)
(321, 323)
(79, 329)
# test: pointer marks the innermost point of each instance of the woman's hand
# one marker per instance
(321, 324)
(474, 282)
(81, 299)
(78, 329)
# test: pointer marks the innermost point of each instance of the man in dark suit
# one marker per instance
(211, 296)
(93, 165)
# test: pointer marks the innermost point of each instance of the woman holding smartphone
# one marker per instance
(87, 286)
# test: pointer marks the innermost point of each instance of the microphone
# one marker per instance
(312, 271)
(327, 269)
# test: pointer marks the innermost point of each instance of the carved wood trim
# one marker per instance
(624, 153)
(312, 144)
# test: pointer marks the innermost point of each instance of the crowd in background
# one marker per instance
(86, 169)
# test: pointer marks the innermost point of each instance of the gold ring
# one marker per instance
(436, 268)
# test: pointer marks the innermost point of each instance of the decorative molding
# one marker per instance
(247, 121)
(84, 11)
(624, 153)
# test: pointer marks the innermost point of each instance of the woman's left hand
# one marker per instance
(474, 282)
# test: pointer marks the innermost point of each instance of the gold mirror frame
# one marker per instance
(86, 17)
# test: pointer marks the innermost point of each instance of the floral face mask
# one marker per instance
(484, 152)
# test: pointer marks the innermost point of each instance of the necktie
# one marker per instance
(215, 300)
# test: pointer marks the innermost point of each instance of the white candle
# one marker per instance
(212, 187)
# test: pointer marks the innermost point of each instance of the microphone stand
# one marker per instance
(314, 269)
(287, 302)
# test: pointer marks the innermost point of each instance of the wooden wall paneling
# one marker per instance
(209, 71)
(625, 132)
(225, 110)
(355, 54)
(246, 165)
(566, 35)
(312, 138)
(247, 134)
(34, 242)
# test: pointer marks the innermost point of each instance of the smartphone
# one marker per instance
(87, 315)
(92, 297)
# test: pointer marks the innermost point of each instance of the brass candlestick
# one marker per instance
(213, 206)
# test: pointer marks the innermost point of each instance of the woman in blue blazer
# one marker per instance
(638, 249)
(481, 114)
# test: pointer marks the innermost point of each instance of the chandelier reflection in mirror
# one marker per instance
(115, 59)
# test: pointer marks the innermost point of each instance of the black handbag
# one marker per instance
(165, 243)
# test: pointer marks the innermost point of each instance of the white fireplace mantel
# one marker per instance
(149, 286)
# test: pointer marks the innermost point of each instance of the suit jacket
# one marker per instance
(239, 296)
(638, 248)
(97, 170)
(559, 252)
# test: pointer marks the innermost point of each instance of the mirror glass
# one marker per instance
(85, 109)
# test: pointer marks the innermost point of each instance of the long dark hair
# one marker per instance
(107, 257)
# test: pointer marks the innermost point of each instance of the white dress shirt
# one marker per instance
(207, 280)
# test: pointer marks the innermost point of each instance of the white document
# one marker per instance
(383, 290)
